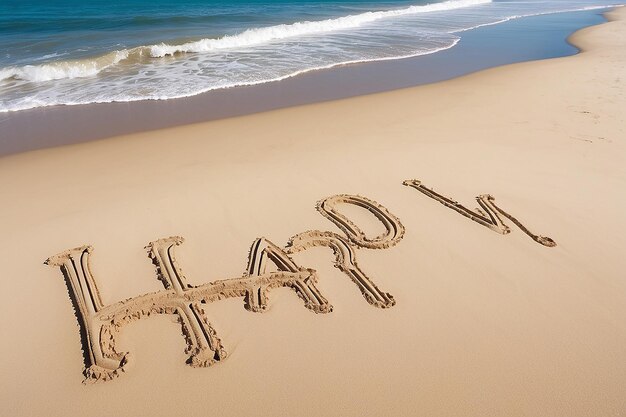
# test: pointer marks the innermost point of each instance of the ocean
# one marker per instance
(78, 52)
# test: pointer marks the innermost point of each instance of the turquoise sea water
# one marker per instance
(75, 52)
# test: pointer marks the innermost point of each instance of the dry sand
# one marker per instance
(445, 313)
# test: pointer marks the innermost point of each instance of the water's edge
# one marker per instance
(538, 37)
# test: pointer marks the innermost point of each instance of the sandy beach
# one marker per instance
(369, 295)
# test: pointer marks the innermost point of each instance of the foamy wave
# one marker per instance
(30, 103)
(63, 69)
(257, 36)
(93, 66)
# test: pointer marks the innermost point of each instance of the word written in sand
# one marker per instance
(100, 324)
(490, 217)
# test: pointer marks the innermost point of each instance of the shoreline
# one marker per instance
(65, 125)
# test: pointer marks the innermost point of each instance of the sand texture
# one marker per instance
(447, 318)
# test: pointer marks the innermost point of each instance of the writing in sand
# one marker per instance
(269, 266)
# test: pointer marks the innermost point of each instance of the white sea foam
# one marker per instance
(257, 36)
(30, 103)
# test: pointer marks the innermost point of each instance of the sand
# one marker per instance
(360, 210)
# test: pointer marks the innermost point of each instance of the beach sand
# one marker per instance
(484, 323)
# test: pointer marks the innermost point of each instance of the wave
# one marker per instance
(257, 36)
(92, 66)
(63, 69)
